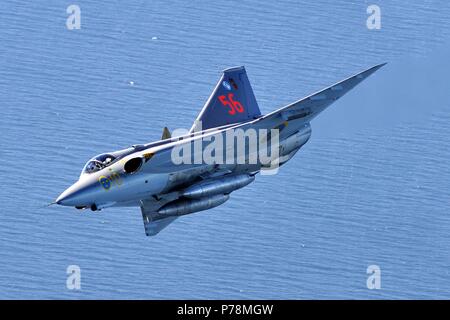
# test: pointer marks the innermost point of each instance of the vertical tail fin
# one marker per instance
(232, 101)
(166, 134)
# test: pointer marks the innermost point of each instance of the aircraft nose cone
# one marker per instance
(75, 195)
(63, 198)
(66, 198)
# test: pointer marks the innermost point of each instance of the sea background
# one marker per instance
(371, 187)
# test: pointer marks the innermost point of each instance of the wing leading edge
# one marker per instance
(310, 106)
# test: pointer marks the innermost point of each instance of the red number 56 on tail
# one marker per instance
(234, 105)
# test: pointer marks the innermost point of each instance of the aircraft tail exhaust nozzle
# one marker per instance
(182, 207)
(223, 185)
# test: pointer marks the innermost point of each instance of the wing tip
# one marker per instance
(366, 73)
(376, 67)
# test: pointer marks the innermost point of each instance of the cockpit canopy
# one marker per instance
(98, 163)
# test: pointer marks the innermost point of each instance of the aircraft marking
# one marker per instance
(106, 181)
(234, 105)
(226, 85)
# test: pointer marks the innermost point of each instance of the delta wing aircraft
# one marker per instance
(181, 175)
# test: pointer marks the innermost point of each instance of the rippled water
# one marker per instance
(370, 187)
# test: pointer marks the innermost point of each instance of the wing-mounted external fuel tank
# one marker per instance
(222, 185)
(206, 195)
(186, 206)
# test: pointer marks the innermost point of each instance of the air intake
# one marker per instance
(132, 165)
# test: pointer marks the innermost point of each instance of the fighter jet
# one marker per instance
(187, 173)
